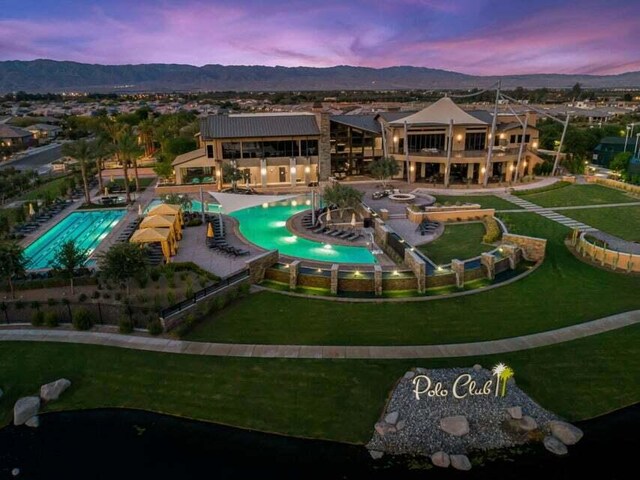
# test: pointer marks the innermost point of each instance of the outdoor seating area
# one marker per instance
(348, 234)
(377, 195)
(216, 238)
(160, 230)
(428, 227)
(40, 218)
(127, 231)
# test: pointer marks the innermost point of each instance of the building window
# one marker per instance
(475, 141)
(196, 175)
(418, 143)
(518, 138)
(209, 151)
(230, 150)
(280, 148)
(252, 150)
(309, 148)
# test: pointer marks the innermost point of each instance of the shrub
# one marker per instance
(183, 277)
(154, 275)
(171, 283)
(106, 295)
(35, 305)
(171, 297)
(142, 279)
(52, 302)
(82, 319)
(492, 230)
(125, 325)
(51, 319)
(95, 294)
(117, 296)
(188, 293)
(185, 326)
(244, 289)
(82, 297)
(141, 298)
(37, 319)
(154, 327)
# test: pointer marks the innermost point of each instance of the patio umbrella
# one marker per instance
(139, 209)
(32, 212)
(353, 220)
(209, 231)
(328, 216)
(106, 191)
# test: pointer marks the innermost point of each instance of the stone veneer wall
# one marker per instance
(626, 262)
(635, 189)
(324, 145)
(532, 247)
(459, 215)
(277, 275)
(258, 266)
(419, 268)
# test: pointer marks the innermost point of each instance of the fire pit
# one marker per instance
(402, 197)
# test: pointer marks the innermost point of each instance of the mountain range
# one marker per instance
(58, 76)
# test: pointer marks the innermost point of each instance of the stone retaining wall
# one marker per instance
(625, 262)
(606, 182)
(455, 215)
(533, 248)
(258, 265)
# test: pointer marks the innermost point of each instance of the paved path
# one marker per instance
(155, 344)
(547, 213)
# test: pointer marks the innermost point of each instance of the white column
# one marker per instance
(263, 172)
(307, 172)
(293, 171)
(406, 152)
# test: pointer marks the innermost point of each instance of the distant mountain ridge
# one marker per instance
(57, 76)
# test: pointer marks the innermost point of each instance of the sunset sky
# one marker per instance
(471, 36)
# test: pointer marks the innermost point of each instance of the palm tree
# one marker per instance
(102, 150)
(128, 151)
(12, 263)
(146, 132)
(81, 151)
(506, 374)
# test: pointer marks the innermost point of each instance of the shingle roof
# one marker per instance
(362, 122)
(483, 115)
(7, 131)
(187, 157)
(241, 126)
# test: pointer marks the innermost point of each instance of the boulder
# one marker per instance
(51, 391)
(460, 462)
(376, 454)
(409, 375)
(421, 370)
(383, 428)
(457, 425)
(15, 472)
(515, 412)
(400, 425)
(25, 408)
(392, 418)
(477, 367)
(527, 424)
(565, 432)
(441, 459)
(554, 445)
(33, 422)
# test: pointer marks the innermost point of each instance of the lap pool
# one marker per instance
(265, 225)
(87, 229)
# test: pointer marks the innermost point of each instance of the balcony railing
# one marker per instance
(442, 154)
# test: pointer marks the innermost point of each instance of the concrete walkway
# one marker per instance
(164, 345)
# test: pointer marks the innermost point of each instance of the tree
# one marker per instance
(178, 199)
(129, 151)
(67, 259)
(102, 150)
(342, 196)
(146, 132)
(81, 150)
(232, 174)
(12, 263)
(122, 262)
(384, 169)
(576, 91)
(620, 162)
(163, 168)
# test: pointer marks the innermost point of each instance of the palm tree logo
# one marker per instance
(503, 373)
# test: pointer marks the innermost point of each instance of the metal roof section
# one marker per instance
(361, 122)
(258, 125)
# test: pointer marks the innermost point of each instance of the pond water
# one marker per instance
(116, 443)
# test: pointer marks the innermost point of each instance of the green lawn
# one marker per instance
(51, 188)
(575, 195)
(623, 222)
(458, 241)
(563, 291)
(485, 201)
(333, 399)
(144, 182)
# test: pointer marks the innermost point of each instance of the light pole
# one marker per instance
(635, 151)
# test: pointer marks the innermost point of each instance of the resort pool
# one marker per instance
(265, 225)
(195, 206)
(86, 228)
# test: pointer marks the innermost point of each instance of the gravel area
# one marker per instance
(417, 427)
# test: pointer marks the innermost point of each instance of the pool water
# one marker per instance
(87, 229)
(195, 206)
(265, 225)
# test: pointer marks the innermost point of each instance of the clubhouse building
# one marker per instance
(441, 143)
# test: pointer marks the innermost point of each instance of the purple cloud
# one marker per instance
(478, 37)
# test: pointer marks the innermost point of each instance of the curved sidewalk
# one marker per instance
(154, 344)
